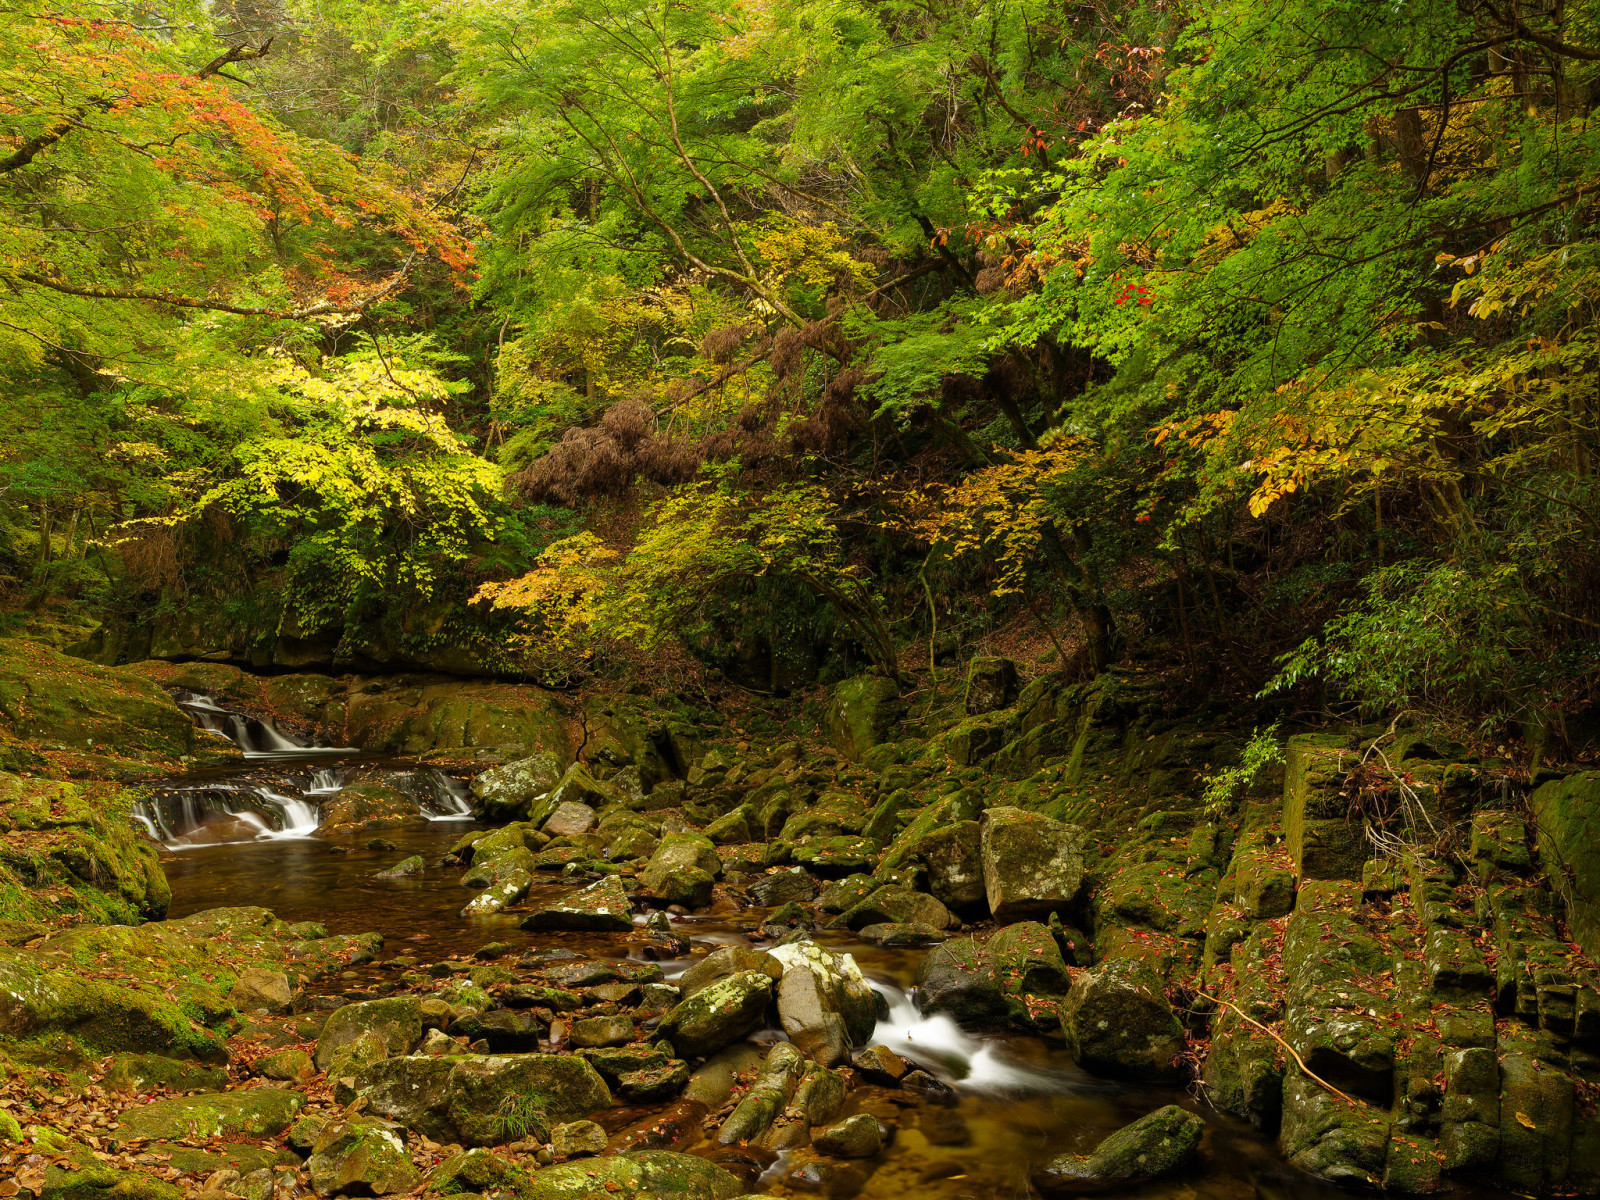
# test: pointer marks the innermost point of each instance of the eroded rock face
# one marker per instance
(1153, 1146)
(1032, 865)
(1118, 1023)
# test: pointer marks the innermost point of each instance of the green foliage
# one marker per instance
(1224, 787)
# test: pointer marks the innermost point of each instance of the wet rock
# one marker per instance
(859, 1136)
(258, 988)
(1032, 865)
(1031, 972)
(824, 1002)
(602, 906)
(370, 805)
(718, 1015)
(902, 935)
(846, 893)
(1118, 1023)
(469, 1171)
(578, 1138)
(483, 1100)
(817, 1099)
(827, 1178)
(651, 1085)
(794, 885)
(679, 1125)
(726, 961)
(713, 1081)
(929, 1087)
(502, 1030)
(682, 870)
(615, 1061)
(883, 824)
(894, 905)
(861, 713)
(1149, 1148)
(570, 818)
(953, 857)
(1326, 1137)
(80, 1175)
(882, 1066)
(637, 1175)
(538, 995)
(394, 1024)
(255, 1112)
(592, 1032)
(404, 868)
(991, 685)
(511, 887)
(288, 1066)
(958, 978)
(943, 1127)
(767, 1097)
(507, 793)
(360, 1157)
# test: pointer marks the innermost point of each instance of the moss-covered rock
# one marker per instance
(1151, 1147)
(862, 712)
(682, 870)
(718, 1015)
(1322, 841)
(640, 1175)
(252, 1112)
(148, 1072)
(360, 1157)
(824, 1002)
(1567, 813)
(600, 907)
(399, 716)
(991, 685)
(958, 978)
(1032, 865)
(396, 1023)
(1118, 1023)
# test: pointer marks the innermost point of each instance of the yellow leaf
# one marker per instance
(1525, 1120)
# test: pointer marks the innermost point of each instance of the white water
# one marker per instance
(257, 738)
(941, 1047)
(457, 806)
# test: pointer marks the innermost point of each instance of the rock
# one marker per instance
(682, 870)
(861, 713)
(507, 793)
(953, 856)
(482, 1100)
(601, 1031)
(735, 828)
(767, 1097)
(1032, 865)
(82, 1177)
(147, 1072)
(1322, 842)
(846, 893)
(718, 1015)
(360, 1157)
(881, 1065)
(603, 906)
(1149, 1148)
(817, 1099)
(469, 1171)
(254, 1112)
(1567, 815)
(824, 1002)
(651, 1085)
(902, 935)
(1028, 965)
(508, 890)
(569, 819)
(726, 961)
(502, 1030)
(859, 1136)
(1118, 1023)
(259, 988)
(931, 1088)
(538, 995)
(713, 1081)
(783, 887)
(991, 685)
(577, 1138)
(53, 698)
(958, 978)
(894, 905)
(289, 1066)
(403, 869)
(394, 1024)
(637, 1175)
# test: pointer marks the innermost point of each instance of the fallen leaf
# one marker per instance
(1525, 1120)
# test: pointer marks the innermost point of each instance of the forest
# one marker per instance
(806, 436)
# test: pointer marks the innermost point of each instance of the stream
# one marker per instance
(247, 834)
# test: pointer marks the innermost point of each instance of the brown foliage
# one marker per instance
(153, 557)
(668, 461)
(787, 349)
(629, 422)
(722, 345)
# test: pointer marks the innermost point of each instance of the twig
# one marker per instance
(1310, 1074)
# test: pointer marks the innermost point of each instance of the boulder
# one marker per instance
(902, 935)
(774, 1086)
(1149, 1148)
(258, 988)
(507, 793)
(1032, 865)
(718, 1015)
(576, 1139)
(594, 1032)
(859, 1136)
(360, 1157)
(891, 904)
(395, 1023)
(403, 869)
(602, 906)
(991, 685)
(253, 1112)
(824, 1002)
(958, 978)
(682, 870)
(506, 891)
(1567, 814)
(784, 887)
(147, 1072)
(953, 857)
(287, 1066)
(726, 961)
(861, 714)
(470, 1171)
(637, 1175)
(1118, 1023)
(570, 818)
(482, 1100)
(882, 1066)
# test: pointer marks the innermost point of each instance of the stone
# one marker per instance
(902, 935)
(510, 888)
(723, 962)
(578, 1138)
(768, 1096)
(652, 1085)
(1566, 813)
(793, 885)
(734, 828)
(594, 1032)
(474, 1171)
(1149, 1148)
(1032, 865)
(846, 893)
(483, 1100)
(147, 1072)
(394, 1024)
(861, 714)
(601, 907)
(254, 1112)
(958, 978)
(538, 995)
(824, 1002)
(569, 819)
(718, 1015)
(881, 1065)
(931, 1088)
(1118, 1023)
(713, 1081)
(360, 1157)
(892, 904)
(953, 857)
(1327, 1138)
(289, 1066)
(682, 870)
(502, 1030)
(1323, 843)
(991, 685)
(637, 1175)
(403, 869)
(859, 1136)
(258, 988)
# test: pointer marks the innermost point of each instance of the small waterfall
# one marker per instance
(220, 813)
(325, 781)
(455, 800)
(257, 738)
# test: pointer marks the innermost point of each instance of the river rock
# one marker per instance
(147, 1072)
(637, 1175)
(470, 1171)
(892, 904)
(405, 867)
(252, 1112)
(759, 1107)
(824, 1002)
(682, 870)
(1031, 973)
(714, 1080)
(846, 893)
(292, 1065)
(1149, 1148)
(652, 1085)
(726, 961)
(570, 818)
(1118, 1023)
(505, 1031)
(395, 1023)
(601, 907)
(482, 1100)
(735, 828)
(881, 1065)
(258, 988)
(794, 885)
(859, 1136)
(718, 1015)
(902, 935)
(360, 1157)
(958, 978)
(506, 793)
(594, 1032)
(1032, 865)
(953, 857)
(510, 888)
(578, 1138)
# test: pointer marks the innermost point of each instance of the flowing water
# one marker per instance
(247, 834)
